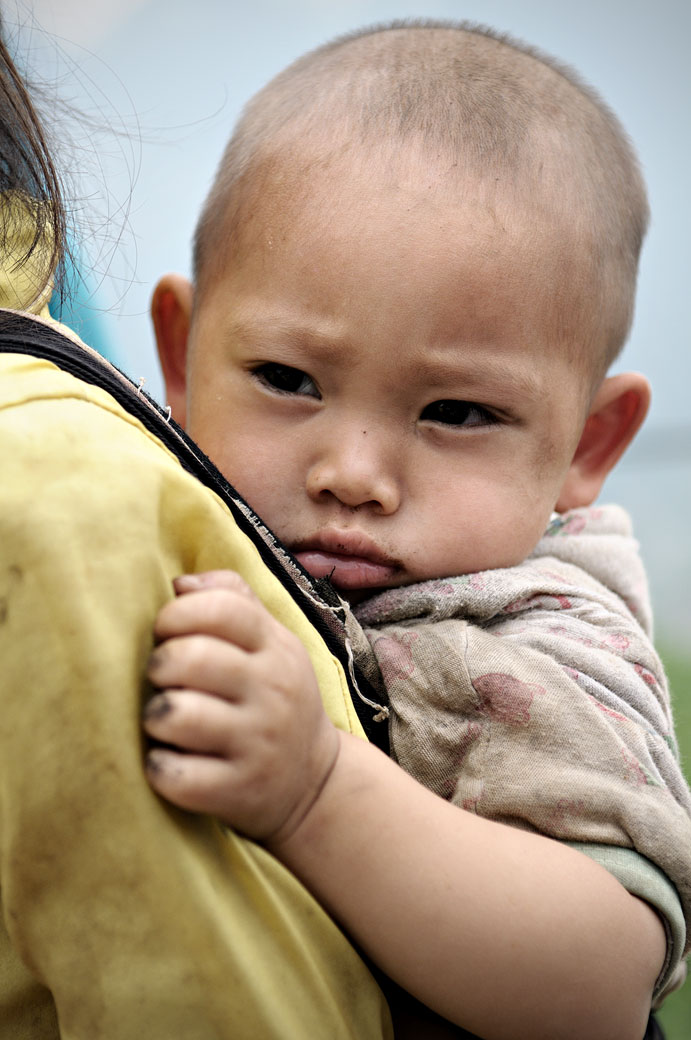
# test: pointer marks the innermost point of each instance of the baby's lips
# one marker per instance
(346, 572)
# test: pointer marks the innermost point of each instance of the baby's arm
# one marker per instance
(502, 931)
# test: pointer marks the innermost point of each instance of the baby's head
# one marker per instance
(413, 271)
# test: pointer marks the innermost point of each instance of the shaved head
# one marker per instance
(492, 115)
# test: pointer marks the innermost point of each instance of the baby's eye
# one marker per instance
(457, 413)
(285, 379)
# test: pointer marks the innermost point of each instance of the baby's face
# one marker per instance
(379, 374)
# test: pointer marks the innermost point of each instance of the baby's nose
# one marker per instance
(357, 470)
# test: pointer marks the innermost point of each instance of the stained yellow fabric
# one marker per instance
(123, 917)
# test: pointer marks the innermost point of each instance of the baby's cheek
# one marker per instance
(521, 525)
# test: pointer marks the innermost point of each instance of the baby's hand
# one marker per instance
(240, 700)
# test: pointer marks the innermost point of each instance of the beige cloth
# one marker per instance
(533, 695)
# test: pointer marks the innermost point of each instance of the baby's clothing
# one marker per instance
(533, 695)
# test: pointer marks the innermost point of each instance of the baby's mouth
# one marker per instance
(350, 561)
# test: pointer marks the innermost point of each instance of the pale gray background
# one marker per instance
(163, 81)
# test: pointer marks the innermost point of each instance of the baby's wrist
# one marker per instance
(314, 799)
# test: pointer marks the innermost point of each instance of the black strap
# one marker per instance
(654, 1030)
(320, 604)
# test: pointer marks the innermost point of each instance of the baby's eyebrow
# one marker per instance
(478, 372)
(324, 336)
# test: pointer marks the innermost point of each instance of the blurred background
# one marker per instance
(148, 93)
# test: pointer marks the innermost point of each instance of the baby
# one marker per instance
(413, 271)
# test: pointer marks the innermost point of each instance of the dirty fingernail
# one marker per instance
(157, 707)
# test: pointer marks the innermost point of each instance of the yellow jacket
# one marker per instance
(123, 917)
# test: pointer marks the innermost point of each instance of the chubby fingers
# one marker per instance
(204, 765)
(245, 733)
(206, 663)
(198, 721)
(193, 782)
(215, 603)
(220, 579)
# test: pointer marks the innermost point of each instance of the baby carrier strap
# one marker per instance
(316, 598)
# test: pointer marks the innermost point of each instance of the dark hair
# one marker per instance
(27, 170)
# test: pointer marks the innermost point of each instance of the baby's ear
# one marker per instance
(617, 411)
(171, 310)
